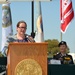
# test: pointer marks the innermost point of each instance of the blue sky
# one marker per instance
(51, 20)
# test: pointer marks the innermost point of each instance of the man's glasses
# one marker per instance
(22, 27)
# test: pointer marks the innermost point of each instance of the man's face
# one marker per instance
(21, 29)
(63, 48)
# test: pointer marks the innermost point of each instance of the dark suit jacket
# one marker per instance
(66, 59)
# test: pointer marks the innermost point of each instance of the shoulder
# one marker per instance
(69, 55)
(56, 55)
(11, 37)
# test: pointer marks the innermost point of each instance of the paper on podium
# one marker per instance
(54, 61)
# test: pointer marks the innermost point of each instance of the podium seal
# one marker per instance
(28, 67)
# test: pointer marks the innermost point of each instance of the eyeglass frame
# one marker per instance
(22, 27)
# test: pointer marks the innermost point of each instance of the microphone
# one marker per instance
(30, 38)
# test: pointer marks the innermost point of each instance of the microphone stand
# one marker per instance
(32, 33)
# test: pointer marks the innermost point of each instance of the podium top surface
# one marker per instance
(45, 43)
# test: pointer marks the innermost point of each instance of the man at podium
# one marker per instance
(21, 36)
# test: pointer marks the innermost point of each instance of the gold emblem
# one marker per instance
(28, 67)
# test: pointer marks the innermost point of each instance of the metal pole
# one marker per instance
(32, 33)
(61, 36)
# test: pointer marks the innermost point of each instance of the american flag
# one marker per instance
(66, 14)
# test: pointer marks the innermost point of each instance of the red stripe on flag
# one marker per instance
(68, 8)
(66, 15)
(66, 22)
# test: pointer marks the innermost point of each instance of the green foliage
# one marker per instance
(1, 55)
(52, 47)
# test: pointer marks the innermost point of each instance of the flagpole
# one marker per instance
(32, 33)
(60, 36)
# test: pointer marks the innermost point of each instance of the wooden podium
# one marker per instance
(35, 54)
